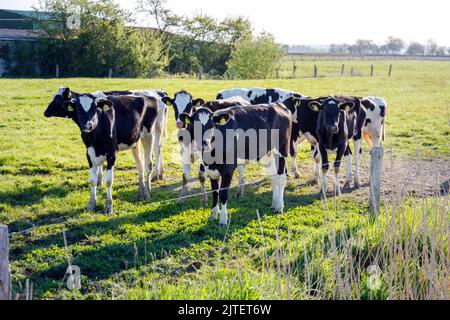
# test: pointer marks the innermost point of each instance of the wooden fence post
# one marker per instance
(110, 73)
(57, 71)
(232, 73)
(5, 276)
(294, 69)
(371, 70)
(351, 72)
(376, 165)
(200, 73)
(342, 70)
(390, 70)
(315, 71)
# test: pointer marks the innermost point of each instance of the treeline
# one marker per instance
(95, 38)
(392, 45)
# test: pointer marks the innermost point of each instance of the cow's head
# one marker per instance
(88, 108)
(292, 103)
(61, 105)
(182, 103)
(201, 124)
(332, 114)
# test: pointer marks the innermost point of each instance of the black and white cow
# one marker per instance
(222, 153)
(58, 107)
(374, 127)
(112, 124)
(339, 120)
(305, 128)
(183, 102)
(259, 95)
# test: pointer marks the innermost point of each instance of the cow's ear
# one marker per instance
(104, 105)
(185, 118)
(221, 119)
(167, 100)
(198, 102)
(347, 105)
(315, 106)
(66, 94)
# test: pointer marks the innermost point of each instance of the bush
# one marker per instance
(256, 59)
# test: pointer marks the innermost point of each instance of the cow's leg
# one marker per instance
(241, 170)
(315, 155)
(136, 150)
(147, 141)
(157, 170)
(278, 184)
(294, 152)
(358, 151)
(202, 179)
(348, 167)
(325, 167)
(187, 162)
(215, 202)
(337, 164)
(100, 176)
(109, 179)
(223, 196)
(93, 178)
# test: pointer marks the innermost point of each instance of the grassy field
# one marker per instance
(151, 250)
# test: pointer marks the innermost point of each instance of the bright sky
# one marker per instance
(322, 21)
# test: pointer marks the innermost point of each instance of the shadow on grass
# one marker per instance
(32, 195)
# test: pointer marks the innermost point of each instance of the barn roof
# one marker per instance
(19, 35)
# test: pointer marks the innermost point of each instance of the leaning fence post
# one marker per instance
(390, 70)
(351, 72)
(315, 71)
(294, 69)
(57, 71)
(342, 70)
(371, 70)
(5, 276)
(376, 165)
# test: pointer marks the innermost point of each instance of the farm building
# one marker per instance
(19, 32)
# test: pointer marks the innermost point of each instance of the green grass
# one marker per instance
(167, 250)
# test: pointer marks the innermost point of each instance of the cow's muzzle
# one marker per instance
(332, 129)
(180, 125)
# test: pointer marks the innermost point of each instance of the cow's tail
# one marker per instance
(383, 130)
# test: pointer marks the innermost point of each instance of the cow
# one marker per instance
(62, 98)
(259, 95)
(111, 124)
(339, 120)
(214, 144)
(374, 127)
(305, 128)
(183, 102)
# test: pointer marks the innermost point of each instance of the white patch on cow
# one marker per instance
(96, 160)
(213, 174)
(182, 99)
(99, 95)
(332, 102)
(203, 117)
(59, 92)
(255, 93)
(123, 146)
(86, 102)
(224, 215)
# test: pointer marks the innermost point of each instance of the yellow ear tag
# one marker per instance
(106, 108)
(347, 108)
(69, 108)
(187, 120)
(222, 121)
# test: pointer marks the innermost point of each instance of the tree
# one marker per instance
(256, 58)
(101, 41)
(394, 45)
(415, 48)
(432, 47)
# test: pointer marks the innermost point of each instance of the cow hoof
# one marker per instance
(144, 197)
(154, 178)
(161, 177)
(313, 182)
(296, 175)
(346, 186)
(99, 184)
(91, 207)
(109, 211)
(223, 225)
(357, 185)
(278, 211)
